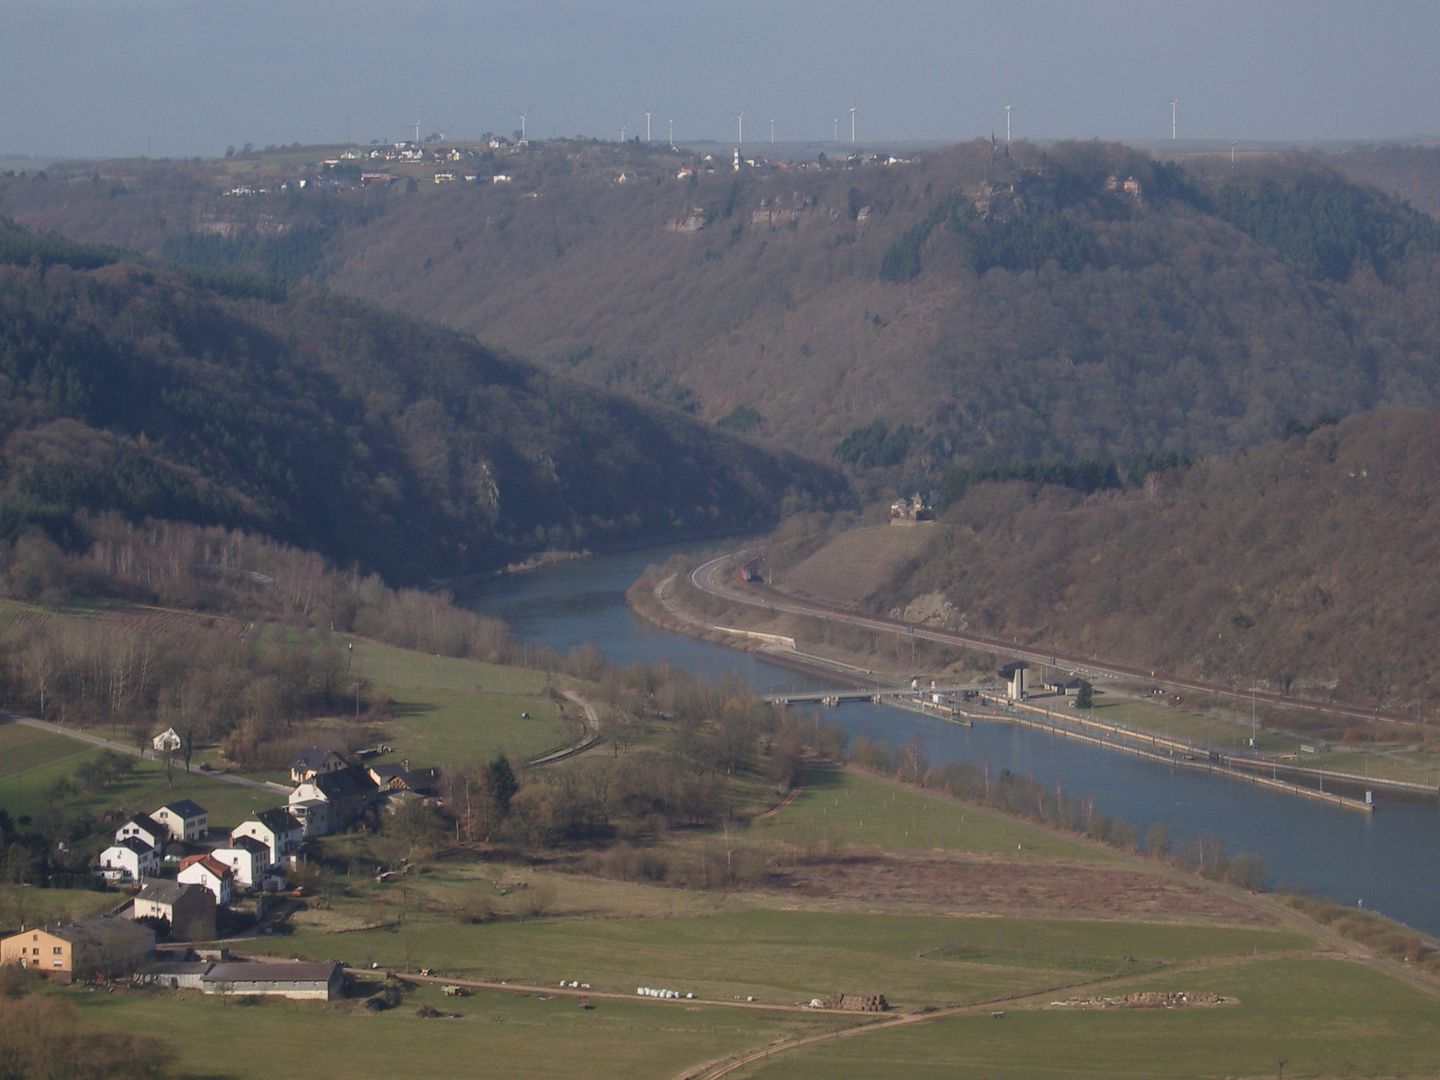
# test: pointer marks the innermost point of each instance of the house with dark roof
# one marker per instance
(315, 761)
(143, 827)
(247, 858)
(104, 946)
(276, 829)
(346, 794)
(189, 910)
(183, 819)
(128, 860)
(398, 776)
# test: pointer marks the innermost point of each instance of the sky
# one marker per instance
(183, 78)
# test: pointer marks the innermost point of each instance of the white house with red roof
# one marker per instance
(208, 872)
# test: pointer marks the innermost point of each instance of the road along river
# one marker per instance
(1390, 860)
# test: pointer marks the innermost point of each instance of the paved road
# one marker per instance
(703, 577)
(135, 751)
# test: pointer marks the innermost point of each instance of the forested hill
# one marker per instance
(982, 305)
(1411, 173)
(328, 424)
(1306, 563)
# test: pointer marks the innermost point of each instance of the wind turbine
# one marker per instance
(772, 129)
(623, 124)
(852, 124)
(1007, 124)
(523, 117)
(740, 122)
(1232, 152)
(672, 133)
(648, 114)
(417, 128)
(1173, 104)
(835, 130)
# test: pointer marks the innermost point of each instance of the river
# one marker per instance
(1389, 861)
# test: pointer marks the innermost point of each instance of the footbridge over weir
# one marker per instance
(878, 695)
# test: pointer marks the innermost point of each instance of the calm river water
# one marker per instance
(1389, 860)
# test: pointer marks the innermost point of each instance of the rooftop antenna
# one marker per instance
(740, 122)
(1007, 124)
(1173, 105)
(852, 124)
(523, 117)
(648, 114)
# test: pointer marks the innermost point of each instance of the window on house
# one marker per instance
(56, 950)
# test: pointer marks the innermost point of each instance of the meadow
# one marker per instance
(453, 711)
(837, 805)
(497, 1033)
(31, 760)
(1293, 1016)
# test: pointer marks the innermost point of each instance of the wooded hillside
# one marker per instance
(329, 425)
(1080, 301)
(1306, 562)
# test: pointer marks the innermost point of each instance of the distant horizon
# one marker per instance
(1150, 145)
(169, 78)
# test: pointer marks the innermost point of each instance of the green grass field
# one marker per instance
(450, 711)
(497, 1034)
(24, 905)
(45, 757)
(842, 806)
(1321, 1017)
(783, 957)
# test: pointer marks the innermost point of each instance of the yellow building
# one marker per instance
(103, 946)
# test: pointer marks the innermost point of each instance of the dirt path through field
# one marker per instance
(719, 1067)
(592, 732)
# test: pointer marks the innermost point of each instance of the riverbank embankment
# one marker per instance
(660, 605)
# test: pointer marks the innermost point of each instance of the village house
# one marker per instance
(183, 819)
(188, 910)
(210, 874)
(129, 860)
(314, 761)
(145, 828)
(906, 511)
(313, 815)
(167, 742)
(102, 946)
(276, 829)
(345, 793)
(247, 858)
(398, 776)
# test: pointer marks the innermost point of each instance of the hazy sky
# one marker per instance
(187, 77)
